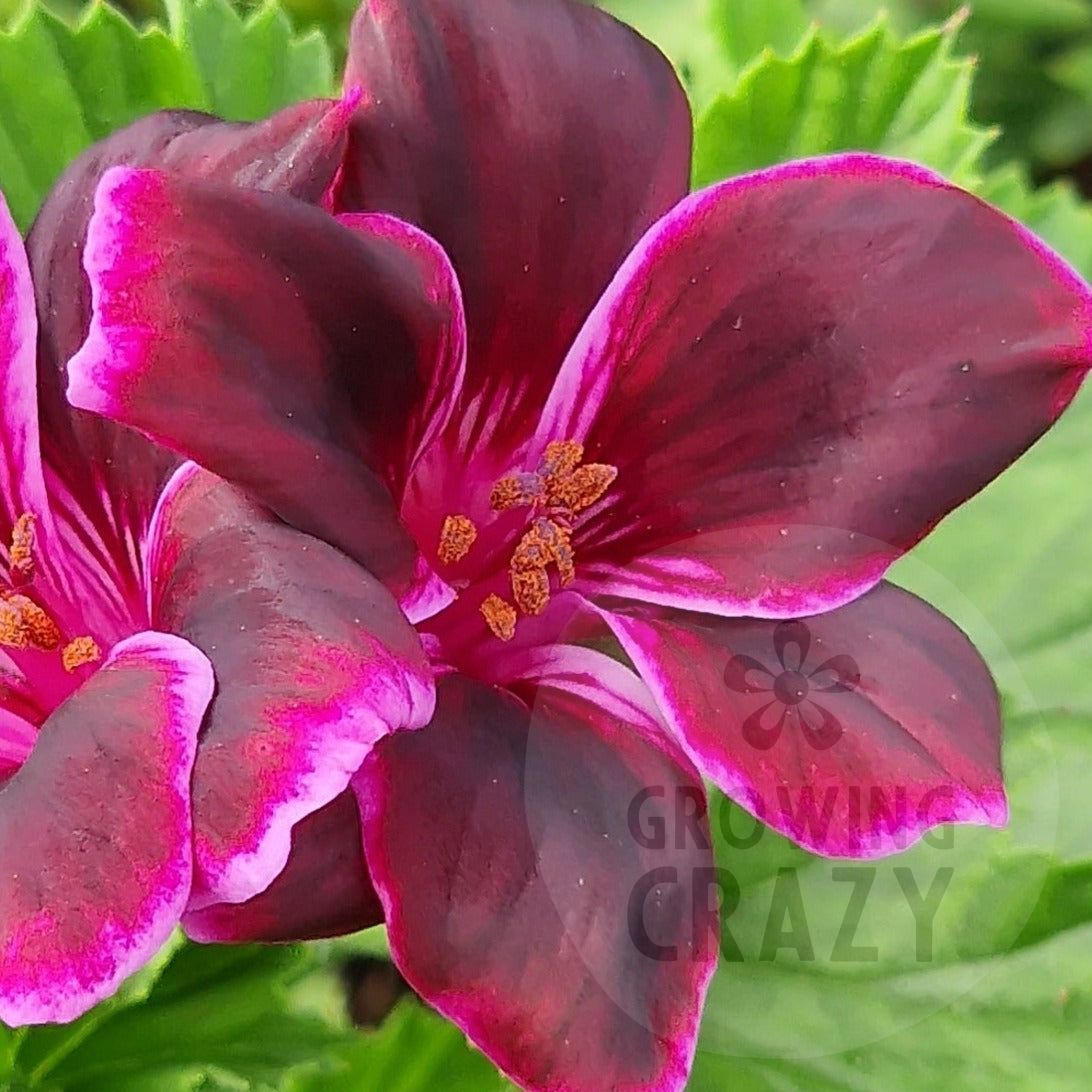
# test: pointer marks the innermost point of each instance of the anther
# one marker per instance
(530, 589)
(562, 456)
(79, 653)
(21, 554)
(23, 623)
(457, 535)
(499, 616)
(13, 630)
(517, 491)
(580, 488)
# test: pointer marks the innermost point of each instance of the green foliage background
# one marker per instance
(1001, 993)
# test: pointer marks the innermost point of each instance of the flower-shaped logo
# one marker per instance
(793, 690)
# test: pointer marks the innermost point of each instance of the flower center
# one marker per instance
(24, 624)
(562, 487)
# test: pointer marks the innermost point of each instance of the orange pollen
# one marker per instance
(562, 456)
(517, 491)
(80, 652)
(457, 535)
(581, 487)
(560, 488)
(13, 630)
(530, 589)
(22, 547)
(500, 617)
(546, 543)
(24, 624)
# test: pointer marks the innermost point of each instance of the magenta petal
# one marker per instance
(798, 372)
(541, 888)
(314, 663)
(22, 488)
(297, 152)
(891, 726)
(95, 831)
(536, 142)
(276, 346)
(324, 890)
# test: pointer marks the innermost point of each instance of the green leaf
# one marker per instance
(252, 66)
(214, 1018)
(874, 92)
(685, 31)
(65, 85)
(746, 29)
(414, 1051)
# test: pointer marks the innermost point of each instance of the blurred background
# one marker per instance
(998, 993)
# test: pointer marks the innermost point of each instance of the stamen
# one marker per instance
(22, 547)
(79, 653)
(517, 491)
(560, 488)
(546, 543)
(499, 616)
(24, 624)
(13, 631)
(457, 535)
(530, 589)
(580, 488)
(562, 456)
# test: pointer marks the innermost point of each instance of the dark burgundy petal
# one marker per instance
(95, 858)
(324, 890)
(908, 737)
(314, 663)
(49, 553)
(541, 886)
(297, 152)
(276, 346)
(799, 372)
(536, 142)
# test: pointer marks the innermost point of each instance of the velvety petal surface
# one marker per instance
(22, 487)
(278, 347)
(324, 890)
(314, 663)
(45, 560)
(105, 480)
(536, 142)
(541, 887)
(852, 732)
(798, 372)
(95, 832)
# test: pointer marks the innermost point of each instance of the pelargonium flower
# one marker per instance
(127, 789)
(671, 420)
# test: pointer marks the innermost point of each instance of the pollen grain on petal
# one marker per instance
(79, 653)
(457, 536)
(22, 547)
(580, 488)
(499, 616)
